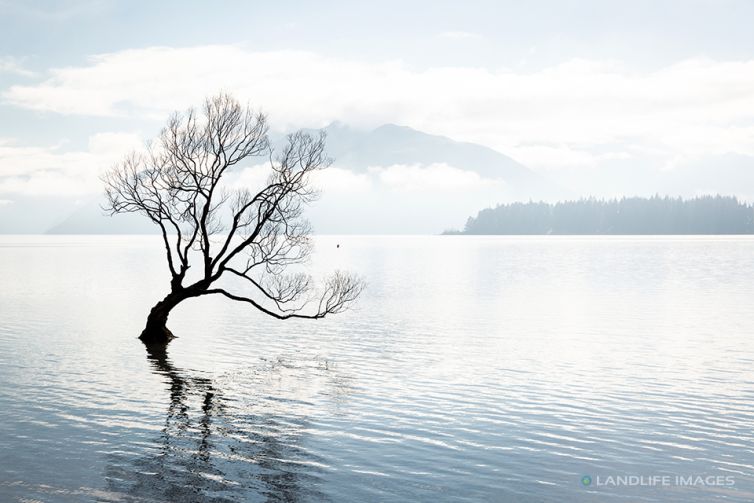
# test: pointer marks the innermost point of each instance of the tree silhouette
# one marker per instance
(177, 182)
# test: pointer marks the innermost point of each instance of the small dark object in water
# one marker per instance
(337, 245)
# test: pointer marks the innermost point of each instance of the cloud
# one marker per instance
(568, 111)
(12, 65)
(338, 180)
(565, 156)
(332, 179)
(35, 170)
(251, 178)
(436, 177)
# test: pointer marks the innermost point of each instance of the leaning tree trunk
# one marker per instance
(156, 330)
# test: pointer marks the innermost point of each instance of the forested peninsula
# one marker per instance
(628, 215)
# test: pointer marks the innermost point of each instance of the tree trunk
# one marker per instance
(156, 330)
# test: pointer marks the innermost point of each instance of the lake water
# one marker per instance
(474, 369)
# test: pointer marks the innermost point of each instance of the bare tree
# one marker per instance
(253, 237)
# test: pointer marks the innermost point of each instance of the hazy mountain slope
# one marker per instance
(390, 144)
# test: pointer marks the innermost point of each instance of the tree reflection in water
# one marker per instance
(210, 450)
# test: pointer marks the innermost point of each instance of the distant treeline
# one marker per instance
(633, 215)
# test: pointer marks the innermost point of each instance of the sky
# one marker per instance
(603, 97)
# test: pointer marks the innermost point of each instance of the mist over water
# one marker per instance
(473, 368)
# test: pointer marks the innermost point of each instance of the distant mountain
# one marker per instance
(390, 144)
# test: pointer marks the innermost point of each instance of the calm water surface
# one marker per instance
(474, 369)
